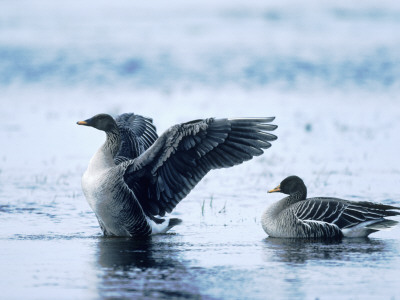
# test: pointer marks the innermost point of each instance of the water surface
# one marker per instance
(328, 72)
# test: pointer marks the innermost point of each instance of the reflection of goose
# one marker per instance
(296, 250)
(135, 177)
(149, 268)
(126, 253)
(298, 217)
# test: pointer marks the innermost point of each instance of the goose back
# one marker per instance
(137, 134)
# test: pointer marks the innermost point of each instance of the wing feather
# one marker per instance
(185, 153)
(318, 229)
(342, 213)
(137, 134)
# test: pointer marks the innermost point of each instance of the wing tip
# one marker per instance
(253, 119)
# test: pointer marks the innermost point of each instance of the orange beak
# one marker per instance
(277, 189)
(82, 123)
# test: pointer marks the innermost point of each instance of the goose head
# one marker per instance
(102, 122)
(291, 185)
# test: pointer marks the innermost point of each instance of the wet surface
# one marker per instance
(223, 262)
(329, 73)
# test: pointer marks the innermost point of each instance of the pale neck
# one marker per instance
(112, 143)
(104, 157)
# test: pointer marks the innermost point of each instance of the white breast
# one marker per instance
(94, 186)
(98, 182)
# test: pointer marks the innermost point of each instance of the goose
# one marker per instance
(136, 176)
(299, 217)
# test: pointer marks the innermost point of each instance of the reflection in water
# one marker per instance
(143, 268)
(326, 265)
(303, 250)
(125, 253)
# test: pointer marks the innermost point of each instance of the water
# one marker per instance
(329, 72)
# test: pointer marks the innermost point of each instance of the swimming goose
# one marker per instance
(136, 177)
(322, 217)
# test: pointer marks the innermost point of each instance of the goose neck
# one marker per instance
(297, 196)
(112, 143)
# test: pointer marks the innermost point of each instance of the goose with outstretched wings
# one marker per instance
(136, 177)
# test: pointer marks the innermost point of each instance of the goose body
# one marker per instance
(296, 216)
(136, 177)
(105, 196)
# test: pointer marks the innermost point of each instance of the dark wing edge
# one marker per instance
(185, 153)
(343, 213)
(137, 134)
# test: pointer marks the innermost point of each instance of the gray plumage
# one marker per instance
(298, 217)
(137, 134)
(135, 178)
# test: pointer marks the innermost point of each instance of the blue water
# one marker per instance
(329, 72)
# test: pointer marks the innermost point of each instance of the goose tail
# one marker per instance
(173, 222)
(163, 225)
(366, 228)
(385, 224)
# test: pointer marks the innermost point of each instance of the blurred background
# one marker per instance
(328, 70)
(175, 46)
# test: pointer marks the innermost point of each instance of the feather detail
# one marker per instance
(299, 217)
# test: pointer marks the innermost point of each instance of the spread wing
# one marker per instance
(341, 212)
(137, 135)
(163, 175)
